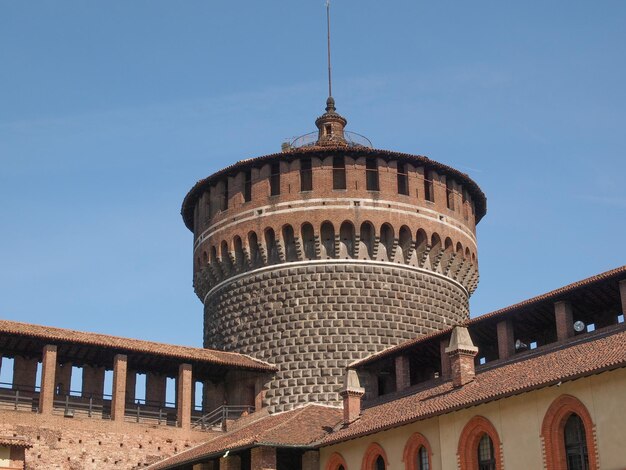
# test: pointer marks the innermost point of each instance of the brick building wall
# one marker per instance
(93, 444)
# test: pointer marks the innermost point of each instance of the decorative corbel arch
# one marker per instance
(553, 427)
(371, 454)
(470, 437)
(413, 445)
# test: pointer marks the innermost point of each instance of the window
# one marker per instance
(403, 180)
(567, 436)
(450, 193)
(339, 173)
(247, 186)
(5, 456)
(275, 179)
(328, 129)
(306, 175)
(429, 194)
(371, 175)
(479, 446)
(422, 459)
(417, 452)
(224, 196)
(576, 444)
(374, 458)
(464, 201)
(486, 459)
(336, 462)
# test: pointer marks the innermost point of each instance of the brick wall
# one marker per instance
(93, 444)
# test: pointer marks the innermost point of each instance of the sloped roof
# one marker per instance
(61, 335)
(555, 294)
(14, 441)
(586, 355)
(300, 427)
(551, 296)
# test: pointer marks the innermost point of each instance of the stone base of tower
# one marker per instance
(313, 319)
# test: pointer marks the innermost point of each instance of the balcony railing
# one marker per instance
(220, 415)
(19, 397)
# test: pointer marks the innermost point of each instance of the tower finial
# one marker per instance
(330, 87)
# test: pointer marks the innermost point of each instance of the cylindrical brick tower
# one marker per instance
(328, 252)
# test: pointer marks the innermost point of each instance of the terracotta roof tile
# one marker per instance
(584, 356)
(300, 427)
(212, 356)
(14, 441)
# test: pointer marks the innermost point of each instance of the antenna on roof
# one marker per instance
(330, 88)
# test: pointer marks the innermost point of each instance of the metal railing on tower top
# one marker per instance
(352, 139)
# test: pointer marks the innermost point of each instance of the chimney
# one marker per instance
(351, 394)
(461, 351)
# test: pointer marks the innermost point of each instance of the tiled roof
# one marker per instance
(300, 427)
(14, 441)
(211, 356)
(581, 357)
(399, 347)
(548, 296)
(479, 197)
(554, 294)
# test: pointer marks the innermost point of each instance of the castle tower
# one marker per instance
(330, 251)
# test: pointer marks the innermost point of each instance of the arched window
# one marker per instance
(486, 457)
(374, 458)
(336, 462)
(568, 436)
(417, 453)
(423, 460)
(479, 446)
(576, 444)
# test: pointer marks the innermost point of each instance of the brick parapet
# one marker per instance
(313, 320)
(93, 444)
(322, 174)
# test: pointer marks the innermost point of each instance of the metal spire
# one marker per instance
(330, 88)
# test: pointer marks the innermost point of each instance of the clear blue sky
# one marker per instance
(110, 111)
